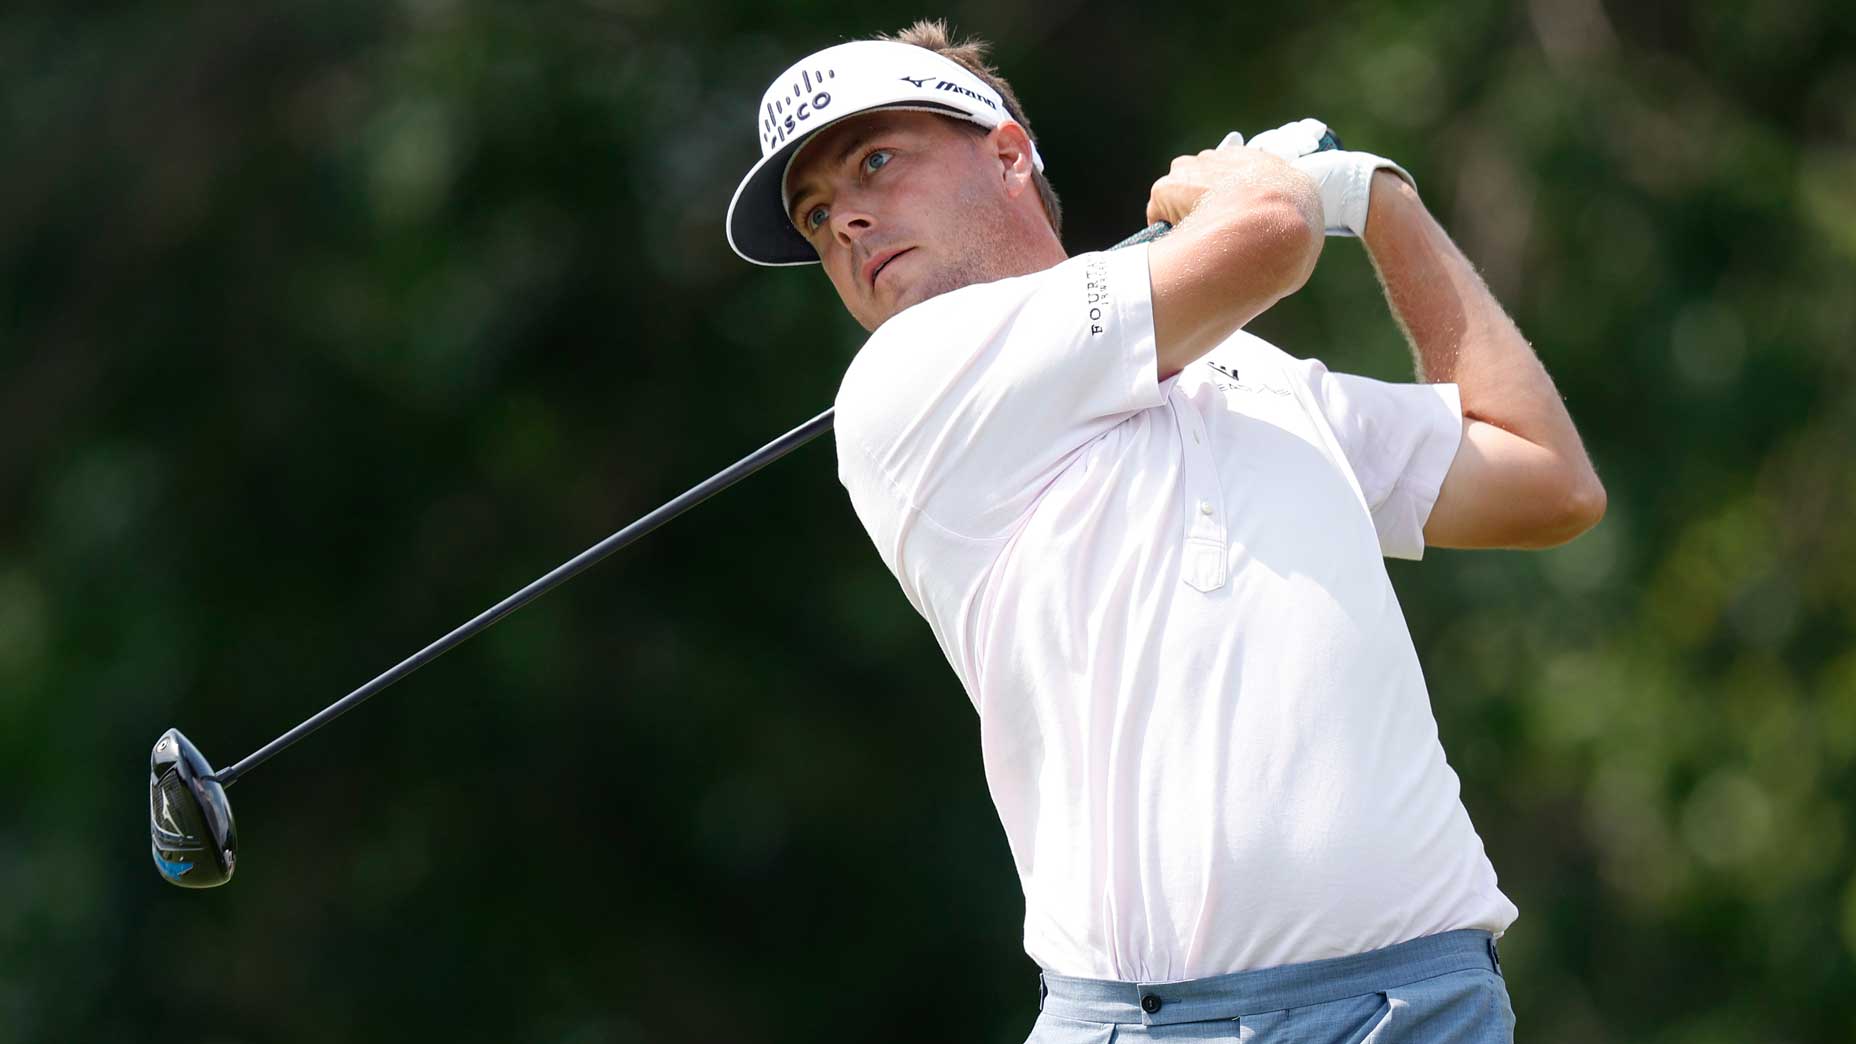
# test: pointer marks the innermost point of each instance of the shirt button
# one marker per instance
(1205, 507)
(1150, 1004)
(1197, 438)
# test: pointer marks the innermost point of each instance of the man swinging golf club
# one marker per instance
(1150, 544)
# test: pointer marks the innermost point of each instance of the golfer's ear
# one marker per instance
(1011, 147)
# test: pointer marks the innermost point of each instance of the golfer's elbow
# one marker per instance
(1578, 507)
(1587, 503)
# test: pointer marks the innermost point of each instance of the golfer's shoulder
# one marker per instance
(930, 350)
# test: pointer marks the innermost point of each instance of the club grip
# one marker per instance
(1145, 235)
(1329, 142)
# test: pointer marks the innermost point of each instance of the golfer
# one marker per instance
(1151, 544)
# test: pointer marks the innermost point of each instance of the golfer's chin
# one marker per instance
(908, 297)
(879, 310)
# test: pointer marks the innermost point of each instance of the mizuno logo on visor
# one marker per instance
(949, 85)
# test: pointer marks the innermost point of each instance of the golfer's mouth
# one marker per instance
(874, 267)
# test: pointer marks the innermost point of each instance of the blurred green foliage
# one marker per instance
(323, 326)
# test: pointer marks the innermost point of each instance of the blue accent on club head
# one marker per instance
(172, 871)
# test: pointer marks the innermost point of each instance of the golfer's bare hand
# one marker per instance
(1232, 169)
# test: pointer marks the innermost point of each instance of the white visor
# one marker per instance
(822, 89)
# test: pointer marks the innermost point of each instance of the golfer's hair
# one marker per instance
(970, 53)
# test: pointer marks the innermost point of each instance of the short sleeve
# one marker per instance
(1400, 440)
(965, 407)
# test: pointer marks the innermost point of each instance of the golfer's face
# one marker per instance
(883, 198)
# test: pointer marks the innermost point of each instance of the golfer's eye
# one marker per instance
(876, 161)
(815, 218)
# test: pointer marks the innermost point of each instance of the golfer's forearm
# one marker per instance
(1246, 246)
(1458, 332)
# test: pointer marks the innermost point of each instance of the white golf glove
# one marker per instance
(1344, 178)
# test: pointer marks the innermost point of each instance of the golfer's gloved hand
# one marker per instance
(1345, 178)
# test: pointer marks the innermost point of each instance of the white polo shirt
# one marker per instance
(1202, 718)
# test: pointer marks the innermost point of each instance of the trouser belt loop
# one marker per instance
(1495, 956)
(1043, 991)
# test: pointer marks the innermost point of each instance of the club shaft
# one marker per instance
(709, 487)
(567, 570)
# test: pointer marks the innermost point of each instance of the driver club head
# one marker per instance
(189, 819)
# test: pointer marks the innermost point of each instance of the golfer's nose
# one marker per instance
(850, 224)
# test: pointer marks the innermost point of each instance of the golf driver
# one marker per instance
(189, 819)
(190, 825)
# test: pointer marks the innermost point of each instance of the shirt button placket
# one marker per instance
(1205, 564)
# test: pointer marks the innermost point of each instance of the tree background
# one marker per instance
(324, 325)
